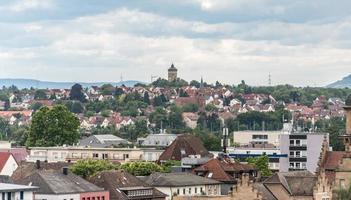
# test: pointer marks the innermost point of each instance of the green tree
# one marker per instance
(261, 163)
(5, 129)
(146, 98)
(343, 193)
(36, 106)
(89, 167)
(40, 94)
(52, 127)
(77, 93)
(141, 168)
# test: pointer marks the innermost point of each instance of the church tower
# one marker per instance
(172, 73)
(201, 100)
(347, 137)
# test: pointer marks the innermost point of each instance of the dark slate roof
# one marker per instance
(183, 146)
(172, 68)
(265, 193)
(178, 179)
(297, 183)
(117, 181)
(28, 168)
(348, 101)
(53, 182)
(105, 140)
(222, 170)
(5, 179)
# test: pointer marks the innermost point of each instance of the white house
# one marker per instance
(14, 191)
(184, 184)
(8, 164)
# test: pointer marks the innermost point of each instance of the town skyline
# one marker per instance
(219, 40)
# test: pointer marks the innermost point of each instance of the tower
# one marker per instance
(347, 137)
(172, 73)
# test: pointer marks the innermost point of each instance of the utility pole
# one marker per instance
(225, 139)
(269, 79)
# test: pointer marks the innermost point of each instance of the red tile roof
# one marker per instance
(222, 170)
(4, 156)
(183, 146)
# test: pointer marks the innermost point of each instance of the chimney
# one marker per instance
(65, 170)
(37, 163)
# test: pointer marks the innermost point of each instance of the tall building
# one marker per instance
(201, 100)
(172, 73)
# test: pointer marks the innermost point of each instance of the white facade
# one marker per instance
(246, 137)
(57, 197)
(9, 167)
(16, 192)
(197, 190)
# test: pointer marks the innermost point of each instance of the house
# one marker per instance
(298, 185)
(225, 171)
(14, 191)
(74, 153)
(19, 154)
(184, 146)
(102, 141)
(124, 186)
(157, 140)
(183, 184)
(63, 185)
(190, 119)
(8, 164)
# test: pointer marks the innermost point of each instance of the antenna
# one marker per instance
(121, 78)
(269, 79)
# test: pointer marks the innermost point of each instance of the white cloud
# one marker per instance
(23, 5)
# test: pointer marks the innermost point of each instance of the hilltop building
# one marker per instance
(172, 73)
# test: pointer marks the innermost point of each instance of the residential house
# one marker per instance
(8, 164)
(102, 141)
(124, 186)
(225, 171)
(184, 146)
(14, 191)
(63, 185)
(190, 119)
(183, 184)
(157, 140)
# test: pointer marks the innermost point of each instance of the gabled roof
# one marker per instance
(4, 157)
(183, 146)
(117, 181)
(105, 140)
(297, 183)
(220, 170)
(54, 182)
(178, 179)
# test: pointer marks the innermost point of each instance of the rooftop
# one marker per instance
(178, 179)
(6, 187)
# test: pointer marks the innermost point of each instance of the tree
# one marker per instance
(75, 106)
(343, 193)
(195, 83)
(36, 106)
(146, 98)
(52, 127)
(40, 94)
(107, 89)
(5, 129)
(141, 168)
(261, 163)
(77, 93)
(89, 167)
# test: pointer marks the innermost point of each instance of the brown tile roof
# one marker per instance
(183, 146)
(181, 101)
(118, 181)
(222, 169)
(332, 159)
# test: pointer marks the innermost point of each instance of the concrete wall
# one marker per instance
(57, 197)
(284, 149)
(208, 190)
(314, 149)
(245, 137)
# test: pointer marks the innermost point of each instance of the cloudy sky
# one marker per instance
(298, 42)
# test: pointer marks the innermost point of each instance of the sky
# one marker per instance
(298, 42)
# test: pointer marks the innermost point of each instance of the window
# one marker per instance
(297, 142)
(189, 190)
(292, 165)
(125, 156)
(259, 137)
(9, 196)
(298, 165)
(291, 142)
(83, 198)
(105, 156)
(95, 155)
(210, 175)
(103, 198)
(178, 191)
(195, 190)
(21, 195)
(297, 154)
(292, 154)
(183, 190)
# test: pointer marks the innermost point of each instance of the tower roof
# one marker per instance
(172, 68)
(348, 101)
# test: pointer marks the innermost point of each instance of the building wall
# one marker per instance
(284, 149)
(27, 195)
(57, 197)
(208, 190)
(314, 149)
(246, 137)
(103, 195)
(172, 76)
(10, 166)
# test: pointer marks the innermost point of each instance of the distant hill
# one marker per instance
(28, 83)
(343, 83)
